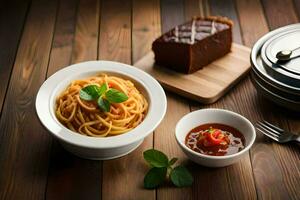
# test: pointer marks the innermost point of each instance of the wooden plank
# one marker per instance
(223, 8)
(227, 8)
(24, 143)
(115, 31)
(145, 26)
(205, 85)
(248, 20)
(271, 162)
(208, 84)
(87, 30)
(63, 38)
(204, 8)
(123, 177)
(207, 180)
(12, 18)
(262, 158)
(288, 156)
(164, 140)
(68, 170)
(193, 8)
(235, 176)
(297, 7)
(239, 176)
(279, 13)
(174, 14)
(145, 29)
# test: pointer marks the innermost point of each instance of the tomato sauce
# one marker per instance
(215, 139)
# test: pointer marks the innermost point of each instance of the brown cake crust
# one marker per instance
(194, 44)
(220, 19)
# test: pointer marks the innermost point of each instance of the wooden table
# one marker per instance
(40, 37)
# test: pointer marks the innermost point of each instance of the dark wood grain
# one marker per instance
(12, 18)
(24, 143)
(297, 7)
(68, 170)
(269, 164)
(279, 13)
(238, 177)
(122, 177)
(205, 178)
(263, 160)
(145, 29)
(164, 140)
(204, 7)
(115, 31)
(172, 14)
(193, 8)
(288, 157)
(87, 31)
(248, 21)
(43, 36)
(227, 8)
(145, 26)
(63, 38)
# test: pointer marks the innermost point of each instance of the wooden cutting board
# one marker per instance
(206, 85)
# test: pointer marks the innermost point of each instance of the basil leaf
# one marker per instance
(102, 89)
(155, 177)
(173, 161)
(156, 158)
(181, 177)
(115, 96)
(89, 92)
(103, 104)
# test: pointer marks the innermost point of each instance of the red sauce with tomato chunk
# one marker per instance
(215, 140)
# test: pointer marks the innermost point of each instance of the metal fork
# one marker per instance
(277, 134)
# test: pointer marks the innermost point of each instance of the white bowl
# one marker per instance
(204, 116)
(108, 147)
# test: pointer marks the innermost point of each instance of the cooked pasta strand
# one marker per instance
(86, 118)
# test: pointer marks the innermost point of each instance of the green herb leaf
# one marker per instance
(103, 104)
(173, 161)
(115, 96)
(155, 177)
(156, 158)
(102, 89)
(89, 92)
(181, 177)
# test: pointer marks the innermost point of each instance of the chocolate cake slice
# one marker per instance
(194, 44)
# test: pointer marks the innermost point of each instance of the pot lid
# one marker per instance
(288, 71)
(264, 52)
(288, 40)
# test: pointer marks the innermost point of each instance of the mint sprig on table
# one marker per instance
(162, 169)
(103, 95)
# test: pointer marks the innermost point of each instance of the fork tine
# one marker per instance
(269, 128)
(273, 126)
(266, 130)
(270, 136)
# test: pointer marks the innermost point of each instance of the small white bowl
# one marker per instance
(108, 147)
(204, 116)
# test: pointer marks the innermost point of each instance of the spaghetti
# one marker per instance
(86, 118)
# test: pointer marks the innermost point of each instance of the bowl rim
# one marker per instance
(155, 114)
(256, 51)
(253, 136)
